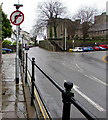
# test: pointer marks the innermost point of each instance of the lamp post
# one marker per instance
(73, 43)
(65, 38)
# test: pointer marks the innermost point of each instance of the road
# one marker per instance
(87, 71)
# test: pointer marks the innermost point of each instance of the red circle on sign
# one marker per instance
(13, 21)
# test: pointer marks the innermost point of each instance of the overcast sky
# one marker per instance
(29, 8)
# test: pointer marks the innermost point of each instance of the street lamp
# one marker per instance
(95, 43)
(73, 43)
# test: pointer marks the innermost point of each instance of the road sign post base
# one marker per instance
(17, 80)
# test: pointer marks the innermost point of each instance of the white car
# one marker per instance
(78, 49)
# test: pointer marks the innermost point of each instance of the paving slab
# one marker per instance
(0, 93)
(13, 101)
(14, 98)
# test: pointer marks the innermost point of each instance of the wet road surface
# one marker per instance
(86, 70)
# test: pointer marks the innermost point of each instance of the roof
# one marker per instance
(99, 27)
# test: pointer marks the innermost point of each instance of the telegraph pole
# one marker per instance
(16, 18)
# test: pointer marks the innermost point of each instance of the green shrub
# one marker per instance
(14, 43)
(3, 52)
(6, 42)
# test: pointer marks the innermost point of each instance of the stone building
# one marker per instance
(99, 29)
(78, 31)
(61, 26)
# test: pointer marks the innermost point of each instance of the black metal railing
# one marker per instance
(34, 91)
(67, 95)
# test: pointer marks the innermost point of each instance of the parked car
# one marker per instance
(78, 49)
(104, 46)
(88, 48)
(6, 50)
(97, 48)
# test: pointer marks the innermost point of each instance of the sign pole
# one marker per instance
(17, 56)
(16, 18)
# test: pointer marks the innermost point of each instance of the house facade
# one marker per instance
(26, 37)
(23, 34)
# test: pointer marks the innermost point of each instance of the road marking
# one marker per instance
(105, 58)
(41, 106)
(68, 66)
(97, 106)
(91, 76)
(96, 79)
(80, 69)
(65, 80)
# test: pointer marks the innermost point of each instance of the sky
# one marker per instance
(30, 9)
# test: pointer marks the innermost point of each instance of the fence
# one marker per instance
(67, 95)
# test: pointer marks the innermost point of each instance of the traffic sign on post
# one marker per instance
(17, 17)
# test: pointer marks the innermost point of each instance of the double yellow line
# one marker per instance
(40, 104)
(105, 59)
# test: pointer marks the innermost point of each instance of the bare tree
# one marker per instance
(86, 16)
(48, 13)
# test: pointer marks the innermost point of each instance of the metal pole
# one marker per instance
(22, 50)
(23, 61)
(22, 54)
(66, 100)
(26, 68)
(17, 56)
(17, 48)
(65, 38)
(33, 80)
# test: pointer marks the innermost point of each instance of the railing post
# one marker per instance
(26, 68)
(66, 100)
(32, 80)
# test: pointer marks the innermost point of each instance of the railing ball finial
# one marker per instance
(33, 59)
(68, 86)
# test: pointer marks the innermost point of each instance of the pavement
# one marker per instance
(14, 99)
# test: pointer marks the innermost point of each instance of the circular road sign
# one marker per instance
(17, 17)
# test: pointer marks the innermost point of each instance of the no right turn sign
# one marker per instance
(17, 17)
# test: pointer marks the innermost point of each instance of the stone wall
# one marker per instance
(47, 45)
